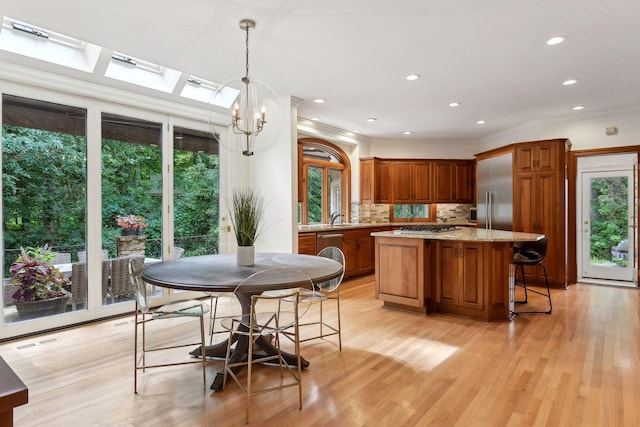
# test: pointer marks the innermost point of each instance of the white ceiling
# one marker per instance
(490, 55)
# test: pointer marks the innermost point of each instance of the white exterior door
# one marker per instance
(607, 219)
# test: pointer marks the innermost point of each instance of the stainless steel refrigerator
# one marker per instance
(495, 192)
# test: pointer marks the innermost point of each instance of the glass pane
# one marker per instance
(131, 198)
(314, 195)
(335, 193)
(411, 211)
(196, 192)
(318, 154)
(43, 193)
(609, 221)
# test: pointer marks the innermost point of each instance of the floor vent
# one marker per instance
(48, 340)
(25, 346)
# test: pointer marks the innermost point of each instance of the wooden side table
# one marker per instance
(13, 392)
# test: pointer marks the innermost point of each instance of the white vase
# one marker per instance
(245, 256)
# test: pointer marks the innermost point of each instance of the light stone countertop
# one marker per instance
(469, 234)
(328, 227)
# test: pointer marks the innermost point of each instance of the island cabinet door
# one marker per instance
(403, 272)
(449, 273)
(472, 291)
(459, 274)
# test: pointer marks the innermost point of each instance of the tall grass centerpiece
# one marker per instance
(247, 210)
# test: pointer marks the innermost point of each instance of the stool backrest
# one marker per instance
(534, 251)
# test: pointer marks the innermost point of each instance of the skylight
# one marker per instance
(35, 42)
(202, 90)
(142, 73)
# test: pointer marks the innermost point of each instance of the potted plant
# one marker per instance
(41, 286)
(247, 209)
(131, 224)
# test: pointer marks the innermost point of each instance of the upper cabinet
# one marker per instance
(403, 181)
(537, 156)
(453, 181)
(375, 181)
(411, 182)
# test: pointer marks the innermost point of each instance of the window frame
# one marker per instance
(343, 165)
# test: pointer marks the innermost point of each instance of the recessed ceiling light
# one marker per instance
(407, 132)
(556, 40)
(319, 101)
(578, 107)
(480, 122)
(356, 131)
(455, 104)
(315, 119)
(371, 119)
(411, 77)
(569, 82)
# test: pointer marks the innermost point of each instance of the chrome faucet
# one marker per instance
(335, 216)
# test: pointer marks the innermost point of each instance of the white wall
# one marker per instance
(425, 149)
(272, 170)
(585, 130)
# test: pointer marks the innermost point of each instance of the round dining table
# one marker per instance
(220, 273)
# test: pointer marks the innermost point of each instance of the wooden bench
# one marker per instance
(13, 393)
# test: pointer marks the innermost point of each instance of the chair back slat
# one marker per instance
(336, 254)
(141, 288)
(78, 283)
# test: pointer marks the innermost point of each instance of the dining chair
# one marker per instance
(224, 301)
(82, 255)
(326, 291)
(268, 316)
(178, 252)
(144, 315)
(79, 282)
(61, 258)
(120, 283)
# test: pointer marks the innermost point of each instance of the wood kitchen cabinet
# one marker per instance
(411, 182)
(404, 273)
(307, 243)
(375, 181)
(356, 245)
(453, 181)
(538, 156)
(471, 277)
(539, 203)
(404, 181)
(460, 275)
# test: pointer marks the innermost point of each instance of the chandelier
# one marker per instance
(249, 114)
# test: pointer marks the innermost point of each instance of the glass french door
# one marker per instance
(608, 225)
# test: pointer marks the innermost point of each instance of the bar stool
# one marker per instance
(531, 253)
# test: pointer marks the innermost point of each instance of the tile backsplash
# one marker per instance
(379, 214)
(364, 213)
(453, 212)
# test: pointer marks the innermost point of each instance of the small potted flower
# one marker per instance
(42, 288)
(131, 224)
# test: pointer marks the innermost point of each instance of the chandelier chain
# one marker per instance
(247, 53)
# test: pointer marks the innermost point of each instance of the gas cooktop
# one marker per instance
(427, 229)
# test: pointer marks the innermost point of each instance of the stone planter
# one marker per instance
(129, 231)
(130, 245)
(40, 308)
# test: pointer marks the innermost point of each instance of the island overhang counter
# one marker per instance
(467, 271)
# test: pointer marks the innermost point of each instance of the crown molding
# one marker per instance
(307, 127)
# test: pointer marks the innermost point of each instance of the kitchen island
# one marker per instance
(466, 271)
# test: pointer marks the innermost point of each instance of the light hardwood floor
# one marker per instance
(578, 366)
